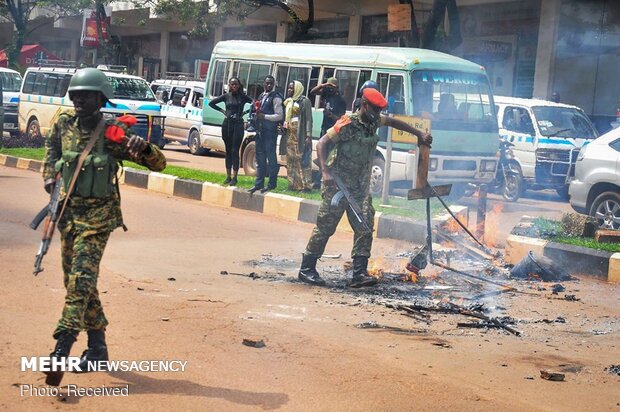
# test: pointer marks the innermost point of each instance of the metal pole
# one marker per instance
(482, 211)
(386, 172)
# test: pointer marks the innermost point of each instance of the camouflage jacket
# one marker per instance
(354, 148)
(60, 138)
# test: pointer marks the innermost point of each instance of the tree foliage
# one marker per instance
(207, 15)
(19, 13)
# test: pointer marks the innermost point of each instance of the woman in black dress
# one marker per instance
(232, 127)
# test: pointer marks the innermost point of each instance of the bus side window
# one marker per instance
(281, 79)
(256, 77)
(64, 85)
(314, 79)
(347, 84)
(219, 77)
(177, 96)
(29, 83)
(396, 95)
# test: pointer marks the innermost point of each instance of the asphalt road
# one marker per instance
(504, 215)
(162, 290)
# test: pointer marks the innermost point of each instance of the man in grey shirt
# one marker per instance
(269, 116)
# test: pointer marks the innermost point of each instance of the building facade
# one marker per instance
(530, 48)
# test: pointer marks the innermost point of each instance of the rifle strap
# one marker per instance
(89, 146)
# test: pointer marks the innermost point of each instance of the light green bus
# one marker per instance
(454, 93)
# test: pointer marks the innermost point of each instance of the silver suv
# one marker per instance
(596, 187)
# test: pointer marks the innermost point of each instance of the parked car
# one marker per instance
(181, 102)
(595, 190)
(11, 83)
(547, 137)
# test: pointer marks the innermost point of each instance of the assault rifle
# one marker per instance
(355, 208)
(50, 214)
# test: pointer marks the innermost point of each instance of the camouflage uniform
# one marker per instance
(87, 222)
(351, 158)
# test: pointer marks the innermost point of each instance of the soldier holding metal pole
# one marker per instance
(347, 151)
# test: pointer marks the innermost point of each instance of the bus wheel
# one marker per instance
(376, 176)
(34, 130)
(194, 144)
(249, 159)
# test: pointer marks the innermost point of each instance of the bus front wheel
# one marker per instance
(249, 159)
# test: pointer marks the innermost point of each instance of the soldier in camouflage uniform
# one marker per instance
(348, 150)
(93, 210)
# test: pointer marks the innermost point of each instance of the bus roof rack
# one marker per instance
(181, 76)
(67, 64)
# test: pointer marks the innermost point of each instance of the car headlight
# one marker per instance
(432, 166)
(488, 165)
(157, 121)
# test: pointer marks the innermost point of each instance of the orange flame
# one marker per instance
(491, 229)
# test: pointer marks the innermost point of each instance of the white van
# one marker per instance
(181, 103)
(44, 94)
(11, 83)
(547, 137)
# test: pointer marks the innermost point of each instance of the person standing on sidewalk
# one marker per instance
(232, 126)
(93, 209)
(347, 150)
(298, 126)
(269, 116)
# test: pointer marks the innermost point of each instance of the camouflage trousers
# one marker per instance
(329, 216)
(82, 246)
(299, 177)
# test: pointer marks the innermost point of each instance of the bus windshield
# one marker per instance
(453, 100)
(11, 82)
(129, 88)
(563, 122)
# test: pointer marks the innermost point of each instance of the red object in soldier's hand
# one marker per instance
(128, 119)
(115, 134)
(257, 105)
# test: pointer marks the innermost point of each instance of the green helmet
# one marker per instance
(91, 79)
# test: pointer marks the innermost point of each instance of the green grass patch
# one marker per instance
(553, 230)
(24, 152)
(415, 209)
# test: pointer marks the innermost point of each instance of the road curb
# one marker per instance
(272, 204)
(576, 260)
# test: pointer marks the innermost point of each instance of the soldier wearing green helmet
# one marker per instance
(93, 209)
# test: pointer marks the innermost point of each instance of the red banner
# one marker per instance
(90, 35)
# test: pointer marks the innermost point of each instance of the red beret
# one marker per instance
(375, 98)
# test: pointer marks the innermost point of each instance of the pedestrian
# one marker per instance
(93, 209)
(357, 102)
(269, 116)
(347, 150)
(185, 98)
(298, 126)
(334, 104)
(232, 126)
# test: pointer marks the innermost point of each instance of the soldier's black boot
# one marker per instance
(361, 277)
(228, 178)
(64, 342)
(97, 351)
(308, 273)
